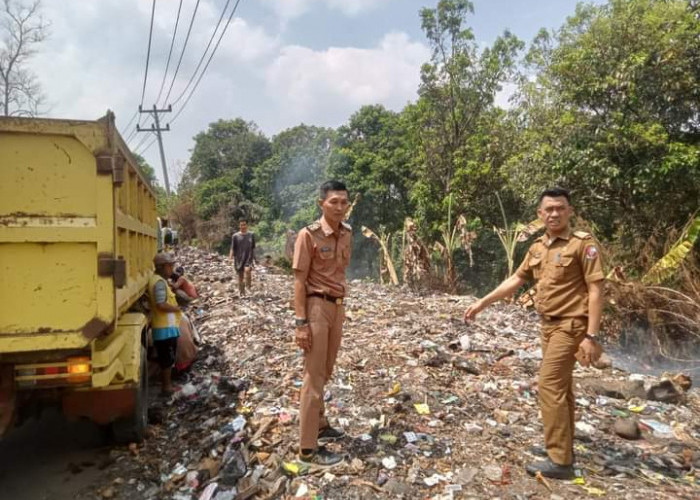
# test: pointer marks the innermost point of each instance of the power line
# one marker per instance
(204, 54)
(211, 56)
(143, 151)
(155, 112)
(131, 121)
(148, 53)
(145, 74)
(170, 52)
(182, 53)
(141, 143)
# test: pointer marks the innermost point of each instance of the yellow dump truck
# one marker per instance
(77, 239)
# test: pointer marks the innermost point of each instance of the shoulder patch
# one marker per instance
(314, 226)
(591, 252)
(582, 235)
(347, 226)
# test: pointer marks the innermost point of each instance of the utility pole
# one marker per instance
(157, 129)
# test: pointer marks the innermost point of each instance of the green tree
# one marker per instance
(614, 114)
(146, 169)
(454, 120)
(372, 156)
(286, 184)
(228, 147)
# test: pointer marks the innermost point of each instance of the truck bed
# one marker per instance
(77, 232)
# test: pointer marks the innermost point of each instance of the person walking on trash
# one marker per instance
(321, 256)
(243, 255)
(568, 273)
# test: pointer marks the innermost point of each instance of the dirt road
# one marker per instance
(51, 458)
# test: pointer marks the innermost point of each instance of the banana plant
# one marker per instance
(511, 235)
(667, 265)
(383, 240)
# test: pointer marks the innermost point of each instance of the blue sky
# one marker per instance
(281, 62)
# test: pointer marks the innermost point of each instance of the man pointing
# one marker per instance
(568, 273)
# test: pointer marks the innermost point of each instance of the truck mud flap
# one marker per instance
(102, 407)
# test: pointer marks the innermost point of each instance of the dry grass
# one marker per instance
(668, 313)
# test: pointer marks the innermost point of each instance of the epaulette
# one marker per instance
(347, 226)
(314, 226)
(582, 235)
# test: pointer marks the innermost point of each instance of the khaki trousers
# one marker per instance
(326, 324)
(560, 341)
(244, 274)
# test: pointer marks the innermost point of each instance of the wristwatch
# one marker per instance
(299, 322)
(593, 337)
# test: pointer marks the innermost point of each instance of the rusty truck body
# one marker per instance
(77, 238)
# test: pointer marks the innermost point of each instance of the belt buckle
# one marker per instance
(339, 301)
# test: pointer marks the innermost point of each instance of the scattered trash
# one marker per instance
(627, 428)
(659, 428)
(493, 473)
(665, 392)
(389, 463)
(422, 408)
(433, 408)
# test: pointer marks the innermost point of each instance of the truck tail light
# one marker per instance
(78, 369)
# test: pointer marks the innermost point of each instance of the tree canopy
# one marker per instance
(607, 106)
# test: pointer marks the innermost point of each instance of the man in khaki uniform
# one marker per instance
(321, 255)
(567, 269)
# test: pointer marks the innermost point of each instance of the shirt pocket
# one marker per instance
(535, 264)
(566, 267)
(325, 255)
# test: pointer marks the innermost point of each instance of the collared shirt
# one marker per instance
(324, 253)
(562, 267)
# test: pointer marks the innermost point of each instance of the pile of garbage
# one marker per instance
(432, 407)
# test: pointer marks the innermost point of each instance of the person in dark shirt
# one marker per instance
(243, 255)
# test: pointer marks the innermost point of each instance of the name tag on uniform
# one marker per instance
(326, 249)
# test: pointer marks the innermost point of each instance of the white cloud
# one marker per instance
(288, 9)
(354, 7)
(89, 65)
(325, 87)
(246, 43)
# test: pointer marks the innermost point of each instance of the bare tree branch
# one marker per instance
(22, 29)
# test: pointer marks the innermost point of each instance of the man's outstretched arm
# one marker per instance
(505, 289)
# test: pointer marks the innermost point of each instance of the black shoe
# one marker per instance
(321, 458)
(329, 434)
(551, 470)
(541, 451)
(538, 451)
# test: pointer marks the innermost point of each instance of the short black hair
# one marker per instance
(555, 192)
(332, 186)
(243, 220)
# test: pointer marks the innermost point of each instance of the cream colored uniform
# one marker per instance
(322, 254)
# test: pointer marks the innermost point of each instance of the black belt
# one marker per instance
(336, 300)
(561, 318)
(551, 318)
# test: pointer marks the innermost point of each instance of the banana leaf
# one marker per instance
(383, 243)
(667, 265)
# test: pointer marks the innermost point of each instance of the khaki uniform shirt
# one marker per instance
(562, 269)
(324, 254)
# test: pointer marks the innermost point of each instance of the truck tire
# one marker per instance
(132, 429)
